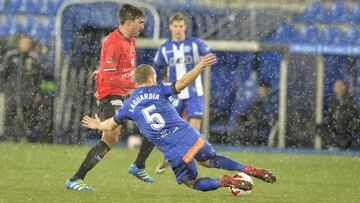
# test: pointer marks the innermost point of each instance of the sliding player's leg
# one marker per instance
(208, 158)
(187, 174)
(194, 111)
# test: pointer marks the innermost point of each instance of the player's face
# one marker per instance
(339, 88)
(25, 44)
(137, 26)
(263, 91)
(178, 29)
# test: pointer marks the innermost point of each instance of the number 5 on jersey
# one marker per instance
(155, 120)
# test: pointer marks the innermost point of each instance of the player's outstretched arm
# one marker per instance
(190, 76)
(95, 123)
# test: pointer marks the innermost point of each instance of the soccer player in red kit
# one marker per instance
(114, 81)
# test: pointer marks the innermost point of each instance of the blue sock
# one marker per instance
(225, 163)
(207, 184)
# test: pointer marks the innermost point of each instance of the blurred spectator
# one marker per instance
(342, 123)
(20, 81)
(47, 91)
(254, 125)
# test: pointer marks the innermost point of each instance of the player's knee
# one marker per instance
(205, 163)
(190, 184)
(109, 141)
(204, 159)
(111, 137)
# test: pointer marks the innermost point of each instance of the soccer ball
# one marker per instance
(238, 192)
(134, 142)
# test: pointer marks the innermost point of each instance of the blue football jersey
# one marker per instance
(150, 109)
(179, 58)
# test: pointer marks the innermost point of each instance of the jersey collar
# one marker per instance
(122, 36)
(179, 42)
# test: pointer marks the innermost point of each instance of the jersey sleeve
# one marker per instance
(167, 89)
(120, 115)
(203, 48)
(111, 54)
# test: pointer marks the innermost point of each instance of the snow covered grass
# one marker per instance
(37, 173)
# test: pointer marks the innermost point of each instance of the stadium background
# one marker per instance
(315, 34)
(308, 43)
(320, 39)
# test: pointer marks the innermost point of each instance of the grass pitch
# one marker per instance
(37, 173)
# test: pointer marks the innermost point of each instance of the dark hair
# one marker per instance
(177, 17)
(264, 84)
(129, 12)
(24, 35)
(142, 73)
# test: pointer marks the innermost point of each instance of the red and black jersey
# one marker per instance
(117, 65)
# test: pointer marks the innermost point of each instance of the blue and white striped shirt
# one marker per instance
(179, 58)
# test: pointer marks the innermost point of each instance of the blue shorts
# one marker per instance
(194, 106)
(183, 164)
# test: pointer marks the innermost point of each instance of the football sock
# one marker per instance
(225, 163)
(144, 152)
(92, 158)
(207, 184)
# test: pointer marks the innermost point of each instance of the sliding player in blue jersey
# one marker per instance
(177, 56)
(150, 109)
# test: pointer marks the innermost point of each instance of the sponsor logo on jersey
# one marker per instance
(165, 133)
(187, 49)
(188, 60)
(127, 69)
(110, 60)
(128, 74)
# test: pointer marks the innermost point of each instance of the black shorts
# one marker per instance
(109, 105)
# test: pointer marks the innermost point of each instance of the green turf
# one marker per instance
(37, 173)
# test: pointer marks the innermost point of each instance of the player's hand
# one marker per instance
(208, 60)
(92, 123)
(94, 74)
